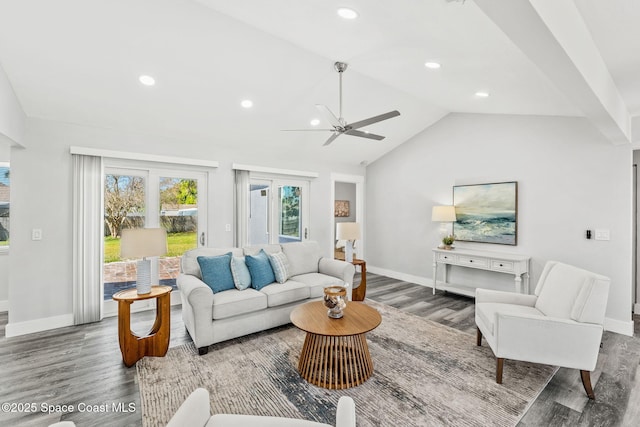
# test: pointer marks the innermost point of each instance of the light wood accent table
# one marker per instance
(335, 354)
(156, 342)
(359, 293)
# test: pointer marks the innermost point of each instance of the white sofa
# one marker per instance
(214, 317)
(195, 412)
(560, 325)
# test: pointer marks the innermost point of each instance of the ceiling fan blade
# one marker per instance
(359, 133)
(329, 115)
(331, 138)
(372, 120)
(306, 130)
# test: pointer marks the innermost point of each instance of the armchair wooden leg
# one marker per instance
(586, 382)
(499, 366)
(479, 338)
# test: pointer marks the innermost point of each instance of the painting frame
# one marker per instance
(486, 213)
(341, 208)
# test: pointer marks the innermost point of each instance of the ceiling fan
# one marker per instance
(340, 125)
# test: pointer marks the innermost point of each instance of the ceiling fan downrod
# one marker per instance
(340, 68)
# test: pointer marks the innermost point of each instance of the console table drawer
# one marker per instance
(473, 261)
(448, 258)
(507, 266)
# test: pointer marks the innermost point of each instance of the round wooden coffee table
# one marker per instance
(335, 354)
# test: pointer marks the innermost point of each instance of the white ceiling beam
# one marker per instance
(553, 35)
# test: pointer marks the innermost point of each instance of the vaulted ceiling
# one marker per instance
(78, 61)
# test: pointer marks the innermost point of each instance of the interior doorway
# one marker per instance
(347, 194)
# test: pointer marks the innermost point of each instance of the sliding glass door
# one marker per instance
(151, 197)
(278, 211)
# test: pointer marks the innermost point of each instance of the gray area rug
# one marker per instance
(426, 374)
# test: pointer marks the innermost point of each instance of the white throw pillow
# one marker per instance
(280, 266)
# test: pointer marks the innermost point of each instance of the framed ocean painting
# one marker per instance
(486, 213)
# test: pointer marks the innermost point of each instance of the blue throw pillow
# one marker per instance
(260, 270)
(216, 272)
(240, 273)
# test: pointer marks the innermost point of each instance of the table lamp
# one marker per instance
(350, 232)
(143, 243)
(443, 214)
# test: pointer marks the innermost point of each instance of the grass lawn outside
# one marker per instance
(178, 243)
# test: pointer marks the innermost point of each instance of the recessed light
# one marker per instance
(315, 122)
(247, 103)
(482, 94)
(432, 65)
(147, 80)
(346, 13)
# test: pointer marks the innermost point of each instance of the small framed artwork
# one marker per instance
(341, 208)
(486, 213)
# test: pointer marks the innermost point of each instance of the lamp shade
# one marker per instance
(143, 242)
(443, 214)
(347, 231)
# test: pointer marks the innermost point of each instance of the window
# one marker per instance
(138, 195)
(5, 185)
(278, 211)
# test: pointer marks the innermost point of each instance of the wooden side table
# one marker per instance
(359, 293)
(156, 342)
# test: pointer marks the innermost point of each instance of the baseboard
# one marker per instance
(4, 306)
(618, 326)
(38, 325)
(418, 280)
(612, 325)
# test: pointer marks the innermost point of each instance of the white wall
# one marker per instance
(569, 180)
(12, 122)
(12, 118)
(40, 273)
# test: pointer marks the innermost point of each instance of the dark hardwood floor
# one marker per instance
(83, 365)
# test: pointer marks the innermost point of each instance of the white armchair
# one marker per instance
(195, 411)
(561, 324)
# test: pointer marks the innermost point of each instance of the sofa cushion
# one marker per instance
(280, 266)
(189, 263)
(255, 250)
(559, 287)
(284, 293)
(487, 311)
(240, 273)
(234, 302)
(303, 257)
(260, 270)
(317, 282)
(216, 272)
(234, 420)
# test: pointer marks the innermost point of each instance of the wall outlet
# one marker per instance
(227, 227)
(602, 234)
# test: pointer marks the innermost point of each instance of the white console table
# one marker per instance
(518, 265)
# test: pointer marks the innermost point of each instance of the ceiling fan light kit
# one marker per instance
(340, 125)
